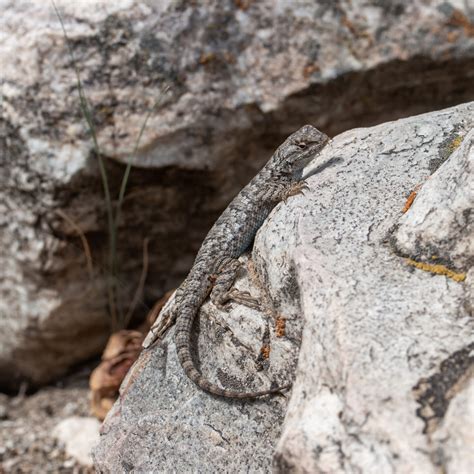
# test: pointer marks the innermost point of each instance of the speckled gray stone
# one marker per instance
(374, 327)
(385, 348)
(439, 228)
(164, 423)
(243, 74)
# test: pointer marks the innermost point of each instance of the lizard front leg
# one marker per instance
(282, 191)
(294, 189)
(223, 291)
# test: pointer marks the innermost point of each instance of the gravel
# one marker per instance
(27, 421)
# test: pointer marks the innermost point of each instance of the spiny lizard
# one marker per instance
(216, 264)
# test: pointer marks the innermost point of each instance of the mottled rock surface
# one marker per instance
(243, 75)
(79, 435)
(27, 423)
(440, 225)
(384, 349)
(163, 423)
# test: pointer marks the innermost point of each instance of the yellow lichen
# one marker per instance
(437, 269)
(455, 143)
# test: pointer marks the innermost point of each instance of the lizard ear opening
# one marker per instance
(301, 145)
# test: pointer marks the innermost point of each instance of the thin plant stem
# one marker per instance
(126, 174)
(123, 185)
(111, 291)
(118, 321)
(85, 243)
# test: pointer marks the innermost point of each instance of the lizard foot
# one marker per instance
(295, 189)
(244, 298)
(226, 306)
(224, 302)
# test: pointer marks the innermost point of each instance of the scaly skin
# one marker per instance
(232, 234)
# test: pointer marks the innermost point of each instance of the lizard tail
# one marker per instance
(183, 344)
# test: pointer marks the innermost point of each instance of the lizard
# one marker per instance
(216, 264)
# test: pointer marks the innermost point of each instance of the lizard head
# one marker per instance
(298, 150)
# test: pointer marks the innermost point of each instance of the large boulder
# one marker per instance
(243, 75)
(382, 340)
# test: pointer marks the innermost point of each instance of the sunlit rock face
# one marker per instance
(378, 342)
(242, 76)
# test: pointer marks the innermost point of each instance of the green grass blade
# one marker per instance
(85, 108)
(133, 157)
(124, 320)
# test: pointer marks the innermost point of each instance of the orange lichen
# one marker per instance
(356, 31)
(206, 58)
(411, 198)
(458, 18)
(265, 350)
(309, 69)
(242, 4)
(437, 269)
(452, 36)
(280, 325)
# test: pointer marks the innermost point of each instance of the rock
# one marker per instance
(383, 349)
(163, 423)
(454, 439)
(79, 435)
(439, 227)
(242, 75)
(374, 327)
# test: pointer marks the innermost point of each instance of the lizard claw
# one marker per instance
(296, 188)
(244, 298)
(226, 307)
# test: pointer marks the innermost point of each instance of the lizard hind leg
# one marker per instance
(223, 292)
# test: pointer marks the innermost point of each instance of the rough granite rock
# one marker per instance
(454, 439)
(243, 76)
(193, 432)
(385, 365)
(79, 435)
(440, 224)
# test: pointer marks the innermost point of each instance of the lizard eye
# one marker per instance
(301, 145)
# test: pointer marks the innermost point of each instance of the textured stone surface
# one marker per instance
(79, 435)
(164, 423)
(440, 225)
(384, 359)
(455, 436)
(374, 327)
(243, 76)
